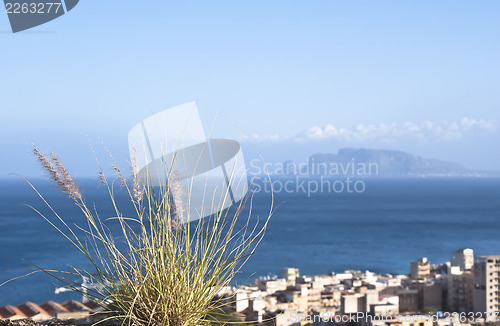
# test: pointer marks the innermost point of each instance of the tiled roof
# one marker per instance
(73, 306)
(30, 309)
(93, 306)
(11, 312)
(53, 308)
(46, 310)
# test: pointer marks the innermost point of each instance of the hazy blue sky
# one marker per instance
(288, 78)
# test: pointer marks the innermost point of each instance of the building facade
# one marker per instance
(420, 269)
(464, 259)
(486, 284)
(460, 290)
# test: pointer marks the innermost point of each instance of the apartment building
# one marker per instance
(486, 285)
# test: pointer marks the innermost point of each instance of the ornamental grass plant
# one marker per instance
(157, 270)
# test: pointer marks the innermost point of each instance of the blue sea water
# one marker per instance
(382, 229)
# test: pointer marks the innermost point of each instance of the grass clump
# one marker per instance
(162, 271)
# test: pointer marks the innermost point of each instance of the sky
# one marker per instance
(286, 78)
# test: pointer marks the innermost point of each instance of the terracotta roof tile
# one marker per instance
(73, 306)
(31, 309)
(53, 308)
(92, 305)
(9, 311)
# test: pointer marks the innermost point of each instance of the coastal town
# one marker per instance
(463, 291)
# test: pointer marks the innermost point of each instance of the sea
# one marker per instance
(381, 228)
